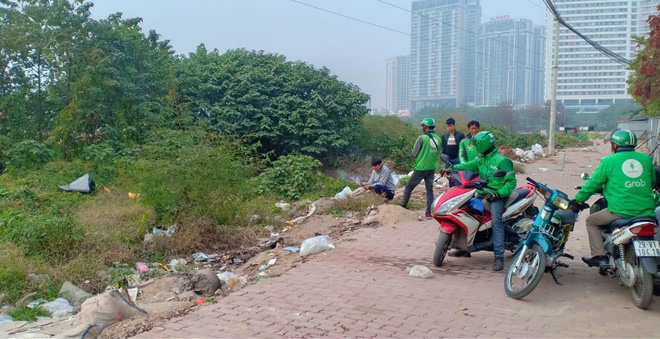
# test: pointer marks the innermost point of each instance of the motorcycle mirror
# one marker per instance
(499, 174)
(584, 176)
(444, 158)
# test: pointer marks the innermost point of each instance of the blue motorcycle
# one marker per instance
(544, 244)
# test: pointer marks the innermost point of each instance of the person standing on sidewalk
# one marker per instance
(627, 178)
(466, 149)
(450, 141)
(426, 158)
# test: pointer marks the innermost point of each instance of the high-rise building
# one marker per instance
(510, 63)
(443, 49)
(589, 81)
(397, 88)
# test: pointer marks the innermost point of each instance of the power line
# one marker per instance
(427, 40)
(535, 4)
(350, 17)
(463, 29)
(612, 55)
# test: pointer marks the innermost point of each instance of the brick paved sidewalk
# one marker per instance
(360, 289)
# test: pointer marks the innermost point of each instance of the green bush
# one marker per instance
(47, 237)
(97, 153)
(29, 154)
(291, 176)
(389, 137)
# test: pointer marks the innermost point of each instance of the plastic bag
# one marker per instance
(537, 149)
(58, 305)
(344, 193)
(315, 245)
(529, 155)
(420, 271)
(224, 276)
(395, 179)
(5, 319)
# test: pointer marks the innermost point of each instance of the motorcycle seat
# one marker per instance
(517, 195)
(567, 216)
(623, 222)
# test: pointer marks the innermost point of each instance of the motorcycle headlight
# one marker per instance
(451, 203)
(561, 203)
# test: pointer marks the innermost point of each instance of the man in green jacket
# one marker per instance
(426, 158)
(466, 150)
(486, 164)
(627, 178)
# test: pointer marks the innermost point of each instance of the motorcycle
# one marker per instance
(544, 244)
(466, 225)
(633, 252)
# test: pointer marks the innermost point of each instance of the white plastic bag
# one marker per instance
(529, 155)
(224, 276)
(5, 319)
(58, 305)
(316, 245)
(537, 149)
(344, 193)
(520, 153)
(420, 271)
(395, 179)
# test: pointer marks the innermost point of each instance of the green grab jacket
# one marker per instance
(486, 166)
(627, 178)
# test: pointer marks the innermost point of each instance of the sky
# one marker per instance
(356, 52)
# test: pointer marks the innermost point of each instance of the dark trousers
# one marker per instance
(415, 179)
(455, 161)
(380, 189)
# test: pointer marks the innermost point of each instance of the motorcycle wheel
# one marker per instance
(441, 248)
(642, 292)
(528, 275)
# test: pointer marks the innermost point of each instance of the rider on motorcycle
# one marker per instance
(499, 188)
(627, 178)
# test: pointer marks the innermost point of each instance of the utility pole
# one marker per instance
(553, 102)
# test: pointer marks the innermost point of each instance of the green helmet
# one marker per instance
(624, 137)
(483, 141)
(428, 122)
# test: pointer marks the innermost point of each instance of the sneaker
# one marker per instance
(595, 261)
(498, 265)
(459, 253)
(429, 216)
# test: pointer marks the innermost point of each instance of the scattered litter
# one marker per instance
(174, 263)
(292, 249)
(224, 276)
(537, 149)
(59, 307)
(5, 319)
(36, 303)
(344, 193)
(543, 169)
(200, 256)
(84, 184)
(315, 245)
(262, 275)
(270, 263)
(141, 267)
(520, 153)
(104, 189)
(103, 310)
(311, 211)
(529, 155)
(160, 231)
(269, 228)
(132, 195)
(237, 281)
(237, 261)
(200, 301)
(283, 206)
(132, 294)
(420, 271)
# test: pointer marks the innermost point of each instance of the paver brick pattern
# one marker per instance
(361, 290)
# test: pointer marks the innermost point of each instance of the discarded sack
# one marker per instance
(84, 184)
(103, 310)
(315, 245)
(420, 271)
(537, 149)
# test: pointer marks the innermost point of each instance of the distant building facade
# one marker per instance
(443, 52)
(397, 87)
(510, 63)
(589, 81)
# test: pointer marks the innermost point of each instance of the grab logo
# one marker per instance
(632, 168)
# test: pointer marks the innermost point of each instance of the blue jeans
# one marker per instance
(496, 209)
(380, 189)
(455, 161)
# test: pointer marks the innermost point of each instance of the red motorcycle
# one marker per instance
(465, 223)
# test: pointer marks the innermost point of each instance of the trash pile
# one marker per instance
(530, 155)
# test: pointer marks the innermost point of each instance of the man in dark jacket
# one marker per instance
(450, 141)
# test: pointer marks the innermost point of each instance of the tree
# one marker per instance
(284, 107)
(644, 83)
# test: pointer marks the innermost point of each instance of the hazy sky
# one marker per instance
(354, 51)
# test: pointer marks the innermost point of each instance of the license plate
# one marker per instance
(647, 248)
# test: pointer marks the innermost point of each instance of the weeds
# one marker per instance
(28, 314)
